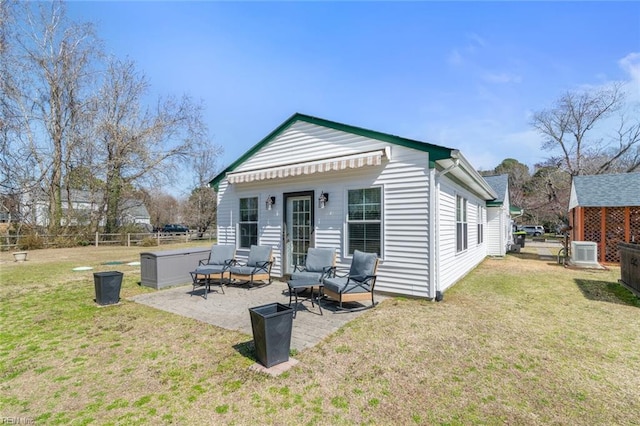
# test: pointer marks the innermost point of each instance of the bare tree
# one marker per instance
(518, 179)
(200, 210)
(624, 155)
(12, 171)
(162, 207)
(67, 123)
(543, 196)
(135, 144)
(547, 195)
(576, 132)
(49, 61)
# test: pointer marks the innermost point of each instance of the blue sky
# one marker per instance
(465, 75)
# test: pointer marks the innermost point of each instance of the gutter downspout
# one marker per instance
(434, 230)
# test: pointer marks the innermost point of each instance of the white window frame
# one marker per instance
(248, 222)
(348, 221)
(462, 224)
(480, 221)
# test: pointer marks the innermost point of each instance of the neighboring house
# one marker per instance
(134, 212)
(605, 209)
(317, 183)
(80, 209)
(499, 224)
(5, 214)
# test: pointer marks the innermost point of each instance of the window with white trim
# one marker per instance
(364, 220)
(480, 219)
(461, 224)
(248, 224)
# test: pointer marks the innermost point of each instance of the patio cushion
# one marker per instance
(258, 255)
(305, 275)
(211, 269)
(362, 265)
(339, 285)
(243, 270)
(221, 253)
(318, 259)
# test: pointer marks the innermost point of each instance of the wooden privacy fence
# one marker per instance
(608, 227)
(12, 242)
(630, 266)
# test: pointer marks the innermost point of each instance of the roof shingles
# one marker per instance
(499, 183)
(614, 190)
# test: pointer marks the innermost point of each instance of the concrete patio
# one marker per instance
(231, 309)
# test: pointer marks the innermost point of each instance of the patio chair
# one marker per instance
(319, 264)
(357, 284)
(257, 268)
(216, 266)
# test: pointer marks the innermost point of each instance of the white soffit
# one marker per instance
(353, 161)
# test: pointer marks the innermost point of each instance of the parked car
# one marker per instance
(533, 230)
(174, 228)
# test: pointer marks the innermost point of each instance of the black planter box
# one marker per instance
(271, 325)
(108, 286)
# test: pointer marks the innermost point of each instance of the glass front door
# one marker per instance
(299, 230)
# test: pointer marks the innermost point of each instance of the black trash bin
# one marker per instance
(108, 286)
(271, 325)
(519, 238)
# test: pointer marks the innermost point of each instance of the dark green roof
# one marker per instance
(435, 152)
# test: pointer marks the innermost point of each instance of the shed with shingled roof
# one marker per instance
(605, 209)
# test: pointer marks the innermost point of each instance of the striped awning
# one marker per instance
(353, 161)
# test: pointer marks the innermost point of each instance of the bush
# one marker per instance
(63, 241)
(149, 242)
(31, 242)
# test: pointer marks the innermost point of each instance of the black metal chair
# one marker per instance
(356, 285)
(257, 268)
(215, 267)
(319, 264)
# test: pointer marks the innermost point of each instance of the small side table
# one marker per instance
(204, 276)
(305, 284)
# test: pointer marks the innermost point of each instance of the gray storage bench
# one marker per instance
(168, 268)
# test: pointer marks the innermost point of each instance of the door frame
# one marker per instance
(285, 229)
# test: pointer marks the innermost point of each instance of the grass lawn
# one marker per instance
(518, 341)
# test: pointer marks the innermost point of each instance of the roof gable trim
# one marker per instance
(435, 152)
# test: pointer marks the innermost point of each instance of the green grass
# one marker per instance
(517, 341)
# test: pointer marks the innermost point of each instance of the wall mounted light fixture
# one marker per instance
(323, 199)
(271, 201)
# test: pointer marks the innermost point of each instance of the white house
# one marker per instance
(499, 227)
(317, 183)
(85, 205)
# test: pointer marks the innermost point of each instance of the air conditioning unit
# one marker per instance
(584, 254)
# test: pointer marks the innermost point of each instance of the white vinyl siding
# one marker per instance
(454, 265)
(404, 182)
(499, 233)
(495, 239)
(303, 142)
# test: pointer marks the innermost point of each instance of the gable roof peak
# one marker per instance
(436, 152)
